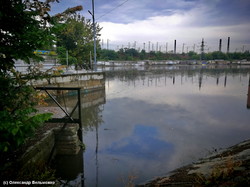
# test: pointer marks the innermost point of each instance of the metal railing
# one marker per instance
(68, 118)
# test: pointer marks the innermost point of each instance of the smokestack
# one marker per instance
(228, 44)
(220, 45)
(174, 46)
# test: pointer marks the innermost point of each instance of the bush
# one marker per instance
(17, 111)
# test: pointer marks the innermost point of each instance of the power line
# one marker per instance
(113, 9)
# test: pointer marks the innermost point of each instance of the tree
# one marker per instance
(23, 29)
(132, 54)
(20, 32)
(106, 54)
(143, 54)
(63, 58)
(75, 34)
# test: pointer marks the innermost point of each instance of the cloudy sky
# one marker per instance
(136, 23)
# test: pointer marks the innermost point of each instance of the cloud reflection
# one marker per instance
(142, 144)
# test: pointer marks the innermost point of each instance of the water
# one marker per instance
(151, 121)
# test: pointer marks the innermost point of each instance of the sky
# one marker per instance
(155, 24)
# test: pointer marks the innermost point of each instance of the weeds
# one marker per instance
(227, 174)
(129, 181)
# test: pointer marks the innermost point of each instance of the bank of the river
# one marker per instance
(229, 167)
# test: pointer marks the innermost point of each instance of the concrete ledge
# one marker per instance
(55, 141)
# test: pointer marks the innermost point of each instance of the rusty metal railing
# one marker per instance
(69, 117)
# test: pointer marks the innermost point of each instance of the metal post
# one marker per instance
(94, 30)
(79, 107)
(79, 114)
(67, 58)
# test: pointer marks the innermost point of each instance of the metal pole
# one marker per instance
(94, 30)
(67, 58)
(79, 107)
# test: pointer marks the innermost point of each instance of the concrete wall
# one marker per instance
(86, 81)
(55, 142)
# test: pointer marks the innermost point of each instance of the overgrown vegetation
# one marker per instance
(20, 35)
(39, 171)
(26, 25)
(17, 115)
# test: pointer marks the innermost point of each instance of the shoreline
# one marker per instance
(230, 167)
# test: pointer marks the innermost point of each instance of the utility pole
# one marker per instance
(166, 47)
(94, 32)
(67, 58)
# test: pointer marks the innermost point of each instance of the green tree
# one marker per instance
(219, 55)
(20, 32)
(131, 54)
(106, 54)
(75, 34)
(62, 56)
(193, 55)
(143, 54)
(23, 29)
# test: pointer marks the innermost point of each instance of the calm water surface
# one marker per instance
(151, 121)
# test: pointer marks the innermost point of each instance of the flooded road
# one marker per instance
(151, 121)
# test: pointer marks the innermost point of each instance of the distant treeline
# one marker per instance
(134, 55)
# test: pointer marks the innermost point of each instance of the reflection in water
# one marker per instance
(144, 135)
(70, 169)
(96, 153)
(248, 95)
(152, 121)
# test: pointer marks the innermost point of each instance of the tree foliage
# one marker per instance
(132, 54)
(75, 34)
(20, 32)
(25, 25)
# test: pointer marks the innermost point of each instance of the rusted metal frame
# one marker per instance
(58, 104)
